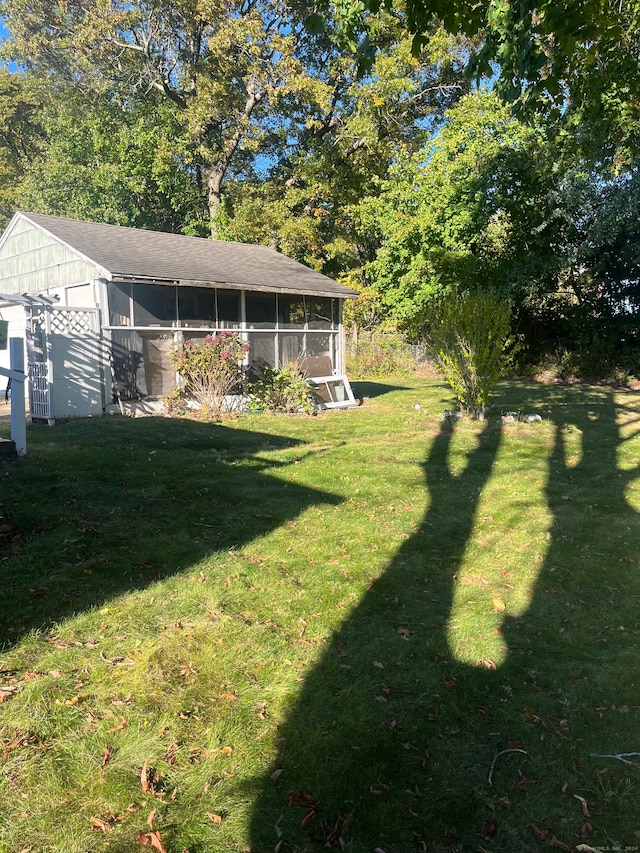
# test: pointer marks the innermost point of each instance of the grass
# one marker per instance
(363, 630)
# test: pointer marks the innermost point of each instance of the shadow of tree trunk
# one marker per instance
(393, 743)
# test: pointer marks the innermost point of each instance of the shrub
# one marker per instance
(284, 390)
(469, 334)
(379, 353)
(211, 369)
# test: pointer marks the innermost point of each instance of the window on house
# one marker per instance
(260, 310)
(196, 306)
(262, 350)
(228, 309)
(154, 305)
(119, 296)
(319, 314)
(291, 314)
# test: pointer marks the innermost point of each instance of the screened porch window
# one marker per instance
(291, 313)
(228, 309)
(154, 305)
(260, 310)
(119, 304)
(319, 313)
(196, 306)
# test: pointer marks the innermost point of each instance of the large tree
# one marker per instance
(307, 203)
(227, 69)
(94, 159)
(472, 208)
(20, 137)
(578, 60)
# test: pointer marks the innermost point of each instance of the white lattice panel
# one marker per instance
(39, 399)
(72, 322)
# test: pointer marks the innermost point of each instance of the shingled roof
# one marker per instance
(136, 254)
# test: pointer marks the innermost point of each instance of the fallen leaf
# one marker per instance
(215, 818)
(498, 604)
(584, 804)
(99, 825)
(229, 697)
(154, 839)
(106, 756)
(542, 834)
(276, 774)
(559, 845)
(144, 777)
(152, 814)
(586, 829)
(7, 692)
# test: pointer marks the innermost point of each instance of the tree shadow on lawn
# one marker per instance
(98, 508)
(373, 389)
(395, 744)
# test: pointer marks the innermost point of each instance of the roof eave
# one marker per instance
(342, 293)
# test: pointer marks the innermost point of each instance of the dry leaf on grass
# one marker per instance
(154, 839)
(144, 777)
(99, 825)
(584, 804)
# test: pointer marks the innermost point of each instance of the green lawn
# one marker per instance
(363, 630)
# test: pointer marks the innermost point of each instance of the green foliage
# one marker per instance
(468, 334)
(379, 353)
(123, 164)
(471, 207)
(20, 137)
(227, 71)
(577, 64)
(211, 370)
(308, 205)
(284, 390)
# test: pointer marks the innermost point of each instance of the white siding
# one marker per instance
(33, 262)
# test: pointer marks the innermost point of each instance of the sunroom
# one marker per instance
(146, 321)
(118, 300)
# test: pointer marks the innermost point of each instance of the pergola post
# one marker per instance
(17, 376)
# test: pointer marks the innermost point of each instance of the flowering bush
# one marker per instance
(211, 369)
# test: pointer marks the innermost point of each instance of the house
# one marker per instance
(102, 306)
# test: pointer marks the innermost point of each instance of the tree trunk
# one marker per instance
(214, 196)
(217, 171)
